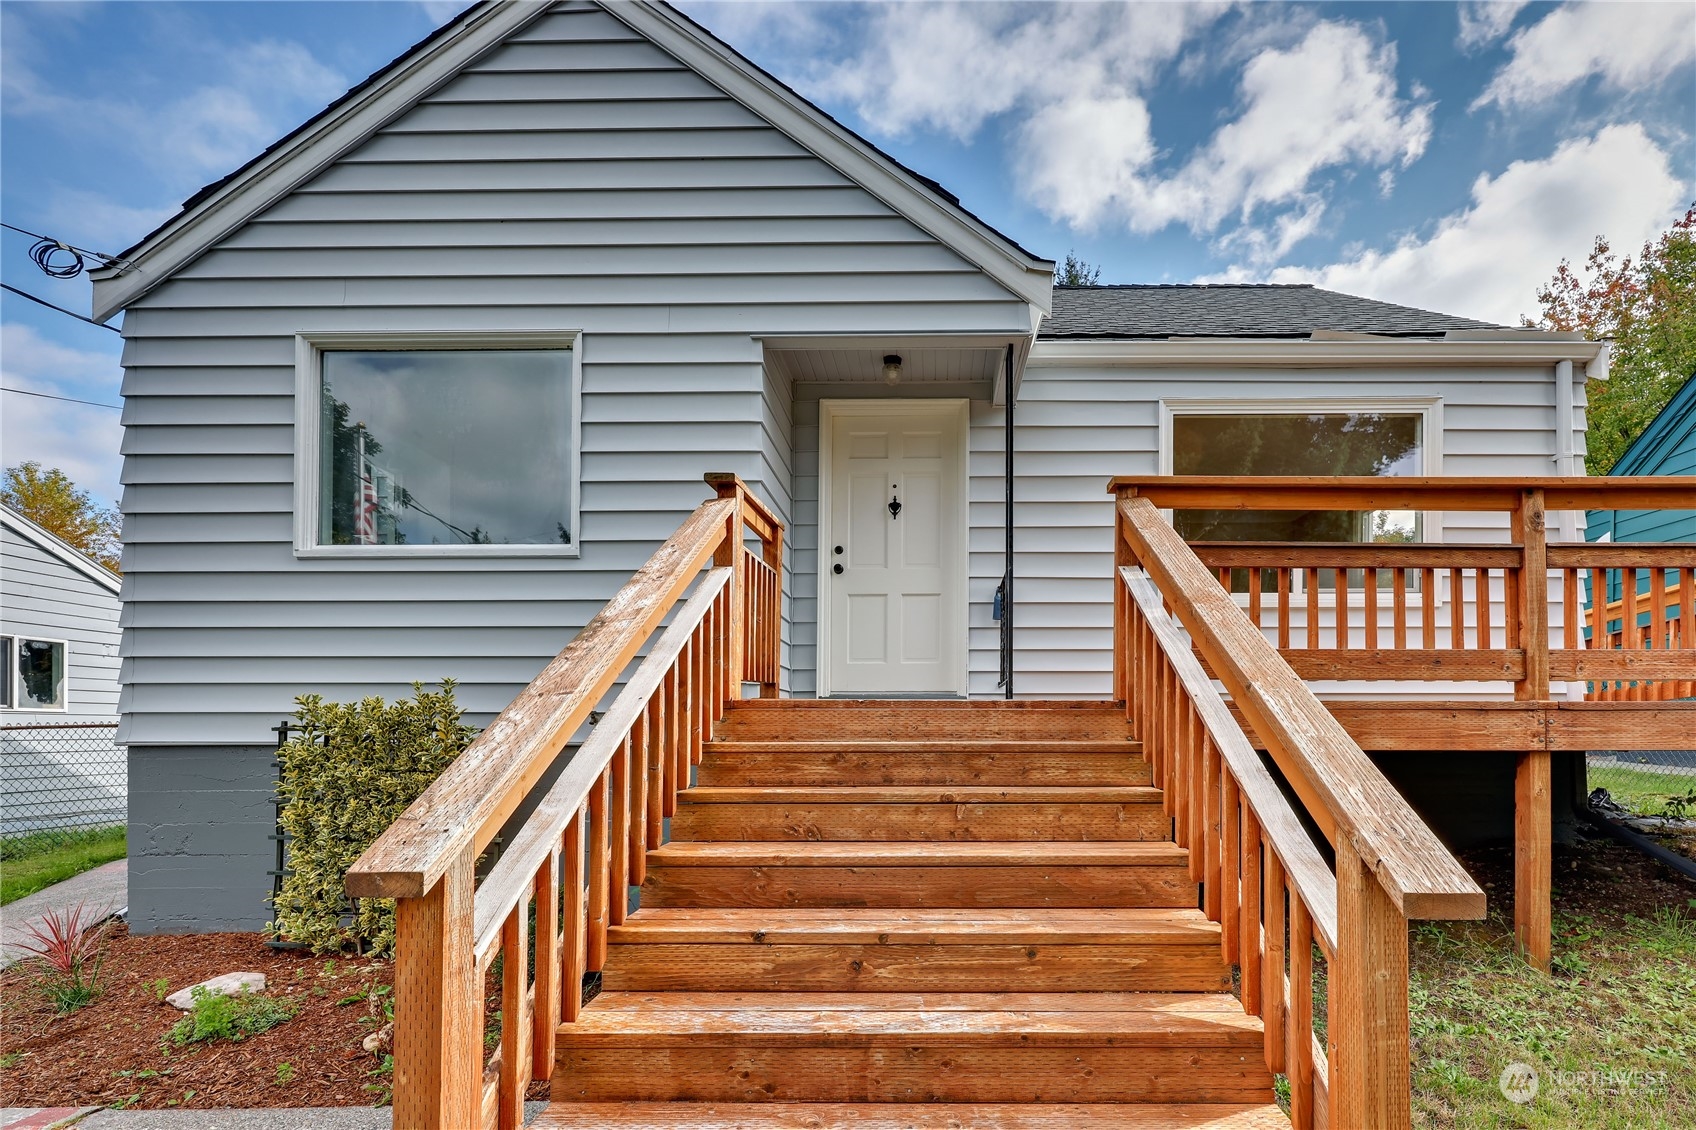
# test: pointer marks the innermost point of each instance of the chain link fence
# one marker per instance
(60, 784)
(1651, 782)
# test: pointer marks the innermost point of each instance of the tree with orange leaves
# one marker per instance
(1647, 308)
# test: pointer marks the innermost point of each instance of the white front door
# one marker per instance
(892, 547)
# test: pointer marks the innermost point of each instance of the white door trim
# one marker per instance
(957, 411)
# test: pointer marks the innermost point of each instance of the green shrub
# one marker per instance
(347, 773)
(235, 1017)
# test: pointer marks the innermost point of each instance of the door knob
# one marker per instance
(839, 550)
(836, 568)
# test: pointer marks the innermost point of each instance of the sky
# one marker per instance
(1444, 155)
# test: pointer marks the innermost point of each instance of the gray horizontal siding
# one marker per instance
(44, 597)
(576, 178)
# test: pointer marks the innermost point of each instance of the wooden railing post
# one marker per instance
(1369, 1032)
(729, 554)
(773, 554)
(1122, 557)
(1532, 821)
(438, 1032)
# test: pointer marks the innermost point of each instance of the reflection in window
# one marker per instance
(445, 447)
(41, 675)
(1336, 443)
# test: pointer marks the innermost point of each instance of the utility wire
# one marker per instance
(61, 309)
(67, 399)
(46, 251)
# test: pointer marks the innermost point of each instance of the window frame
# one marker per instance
(310, 348)
(14, 703)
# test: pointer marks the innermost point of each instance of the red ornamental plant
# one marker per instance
(68, 948)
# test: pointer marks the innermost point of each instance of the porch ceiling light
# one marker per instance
(892, 369)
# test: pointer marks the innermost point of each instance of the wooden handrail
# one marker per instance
(1344, 793)
(547, 903)
(1422, 492)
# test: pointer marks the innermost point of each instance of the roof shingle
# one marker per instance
(1234, 310)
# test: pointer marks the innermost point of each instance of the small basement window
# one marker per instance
(33, 674)
(1298, 443)
(441, 450)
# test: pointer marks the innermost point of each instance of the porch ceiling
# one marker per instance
(928, 367)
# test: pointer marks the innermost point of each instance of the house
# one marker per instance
(59, 633)
(417, 391)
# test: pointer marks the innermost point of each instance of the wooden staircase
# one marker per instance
(915, 914)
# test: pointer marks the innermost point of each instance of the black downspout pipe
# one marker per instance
(1007, 577)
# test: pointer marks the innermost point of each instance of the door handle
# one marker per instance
(837, 569)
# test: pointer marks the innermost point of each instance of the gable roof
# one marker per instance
(1235, 310)
(221, 207)
(1671, 425)
(57, 547)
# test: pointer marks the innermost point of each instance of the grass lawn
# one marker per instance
(31, 863)
(1611, 1035)
(1643, 790)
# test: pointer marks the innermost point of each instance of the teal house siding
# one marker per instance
(1666, 447)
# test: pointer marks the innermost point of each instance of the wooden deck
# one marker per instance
(1009, 914)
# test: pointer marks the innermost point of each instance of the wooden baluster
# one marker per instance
(699, 728)
(1283, 609)
(545, 1014)
(1254, 595)
(1369, 584)
(515, 1018)
(1313, 609)
(1658, 627)
(1571, 608)
(1192, 785)
(1481, 595)
(1631, 633)
(1428, 616)
(438, 1005)
(1601, 688)
(654, 759)
(572, 957)
(1299, 1047)
(1272, 976)
(620, 832)
(1230, 884)
(671, 737)
(1212, 827)
(1398, 616)
(1457, 611)
(1249, 959)
(600, 862)
(1687, 619)
(1370, 1084)
(1340, 578)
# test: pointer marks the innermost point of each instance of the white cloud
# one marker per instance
(80, 439)
(440, 12)
(90, 219)
(1485, 21)
(1487, 260)
(1629, 47)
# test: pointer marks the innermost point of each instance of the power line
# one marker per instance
(46, 248)
(61, 309)
(67, 399)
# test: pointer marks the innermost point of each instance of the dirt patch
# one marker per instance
(107, 1052)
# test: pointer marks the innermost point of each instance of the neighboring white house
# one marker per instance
(412, 393)
(59, 636)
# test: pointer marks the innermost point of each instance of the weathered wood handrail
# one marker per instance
(561, 882)
(1243, 848)
(1463, 612)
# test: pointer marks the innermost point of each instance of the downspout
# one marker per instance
(1007, 522)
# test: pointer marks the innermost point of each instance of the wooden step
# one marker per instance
(1124, 874)
(811, 718)
(946, 950)
(921, 812)
(923, 763)
(913, 1116)
(874, 1047)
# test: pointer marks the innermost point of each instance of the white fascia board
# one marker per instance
(56, 547)
(308, 154)
(1298, 353)
(1028, 278)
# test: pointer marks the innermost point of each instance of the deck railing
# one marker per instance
(1262, 878)
(1651, 618)
(1456, 612)
(543, 910)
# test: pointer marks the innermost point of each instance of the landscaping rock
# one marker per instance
(227, 985)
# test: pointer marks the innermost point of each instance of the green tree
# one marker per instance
(1647, 308)
(52, 501)
(1076, 272)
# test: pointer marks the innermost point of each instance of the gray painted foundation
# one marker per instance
(200, 851)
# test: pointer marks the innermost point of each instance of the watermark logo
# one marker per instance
(1518, 1083)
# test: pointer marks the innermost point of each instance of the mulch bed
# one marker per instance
(83, 1058)
(1595, 877)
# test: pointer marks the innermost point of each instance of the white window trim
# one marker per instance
(310, 348)
(1428, 408)
(64, 706)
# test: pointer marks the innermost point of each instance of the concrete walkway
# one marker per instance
(105, 889)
